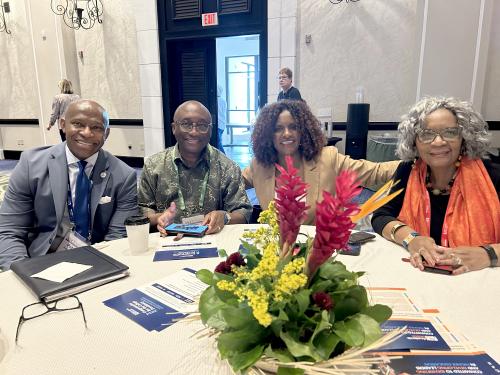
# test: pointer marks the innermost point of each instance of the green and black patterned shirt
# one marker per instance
(165, 171)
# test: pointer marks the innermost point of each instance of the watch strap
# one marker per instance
(227, 217)
(409, 238)
(491, 254)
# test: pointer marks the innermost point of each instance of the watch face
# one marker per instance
(227, 218)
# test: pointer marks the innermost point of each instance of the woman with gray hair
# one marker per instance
(60, 104)
(449, 213)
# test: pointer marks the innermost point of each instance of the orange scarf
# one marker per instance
(473, 214)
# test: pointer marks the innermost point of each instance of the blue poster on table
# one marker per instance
(183, 254)
(144, 310)
(441, 364)
(419, 335)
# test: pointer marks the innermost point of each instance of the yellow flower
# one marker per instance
(259, 302)
(268, 263)
(291, 279)
(229, 286)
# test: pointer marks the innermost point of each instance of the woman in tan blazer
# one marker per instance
(289, 128)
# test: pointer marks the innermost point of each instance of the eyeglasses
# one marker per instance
(38, 309)
(282, 77)
(187, 126)
(281, 129)
(447, 134)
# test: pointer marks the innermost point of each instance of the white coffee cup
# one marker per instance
(137, 227)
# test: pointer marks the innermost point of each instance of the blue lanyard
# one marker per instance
(70, 207)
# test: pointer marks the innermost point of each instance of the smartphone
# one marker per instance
(352, 249)
(360, 237)
(187, 229)
(441, 269)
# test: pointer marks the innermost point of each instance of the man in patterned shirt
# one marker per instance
(193, 182)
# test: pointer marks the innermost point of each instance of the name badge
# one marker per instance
(71, 240)
(196, 219)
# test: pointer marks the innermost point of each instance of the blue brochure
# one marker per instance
(160, 304)
(441, 364)
(144, 310)
(419, 335)
(182, 254)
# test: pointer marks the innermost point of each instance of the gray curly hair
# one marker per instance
(476, 138)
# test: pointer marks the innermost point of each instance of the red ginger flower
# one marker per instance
(290, 202)
(323, 301)
(333, 222)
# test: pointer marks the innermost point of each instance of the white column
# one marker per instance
(150, 75)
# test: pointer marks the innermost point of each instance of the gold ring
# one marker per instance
(459, 261)
(420, 251)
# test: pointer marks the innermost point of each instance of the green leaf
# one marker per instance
(371, 328)
(238, 317)
(222, 253)
(378, 312)
(325, 343)
(282, 355)
(351, 332)
(242, 361)
(323, 324)
(346, 307)
(240, 340)
(206, 276)
(302, 298)
(299, 349)
(290, 371)
(210, 304)
(335, 271)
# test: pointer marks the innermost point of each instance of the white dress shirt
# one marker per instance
(73, 169)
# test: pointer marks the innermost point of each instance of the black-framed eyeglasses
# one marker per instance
(186, 126)
(447, 134)
(38, 309)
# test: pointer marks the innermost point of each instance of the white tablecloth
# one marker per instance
(58, 343)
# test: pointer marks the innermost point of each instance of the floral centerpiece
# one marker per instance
(289, 307)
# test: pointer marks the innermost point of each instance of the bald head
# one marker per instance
(192, 107)
(87, 105)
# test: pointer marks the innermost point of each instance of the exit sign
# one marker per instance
(209, 19)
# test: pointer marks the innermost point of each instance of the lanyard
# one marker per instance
(427, 213)
(182, 204)
(70, 207)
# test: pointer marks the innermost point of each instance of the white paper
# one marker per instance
(61, 271)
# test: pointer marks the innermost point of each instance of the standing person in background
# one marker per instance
(221, 117)
(287, 90)
(60, 104)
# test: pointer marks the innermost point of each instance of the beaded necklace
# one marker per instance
(447, 189)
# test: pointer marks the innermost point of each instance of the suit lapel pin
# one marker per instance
(103, 174)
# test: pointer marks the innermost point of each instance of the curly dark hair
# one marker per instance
(312, 139)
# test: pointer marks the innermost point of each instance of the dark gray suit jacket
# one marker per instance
(35, 201)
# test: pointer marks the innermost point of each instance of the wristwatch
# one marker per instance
(227, 217)
(409, 238)
(491, 254)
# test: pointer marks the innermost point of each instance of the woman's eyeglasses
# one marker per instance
(38, 309)
(447, 134)
(187, 126)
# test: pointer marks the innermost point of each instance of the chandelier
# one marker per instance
(4, 8)
(78, 13)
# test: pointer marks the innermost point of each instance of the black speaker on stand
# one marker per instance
(358, 115)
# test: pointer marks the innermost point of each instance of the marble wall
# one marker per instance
(18, 90)
(368, 44)
(109, 70)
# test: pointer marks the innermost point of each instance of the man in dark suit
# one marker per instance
(287, 90)
(71, 190)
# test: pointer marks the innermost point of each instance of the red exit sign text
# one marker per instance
(209, 19)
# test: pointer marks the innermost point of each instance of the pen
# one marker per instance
(187, 244)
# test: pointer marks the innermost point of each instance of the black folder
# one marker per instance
(104, 270)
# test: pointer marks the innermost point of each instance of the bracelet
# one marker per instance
(409, 238)
(394, 229)
(491, 254)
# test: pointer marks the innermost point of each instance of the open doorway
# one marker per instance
(238, 75)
